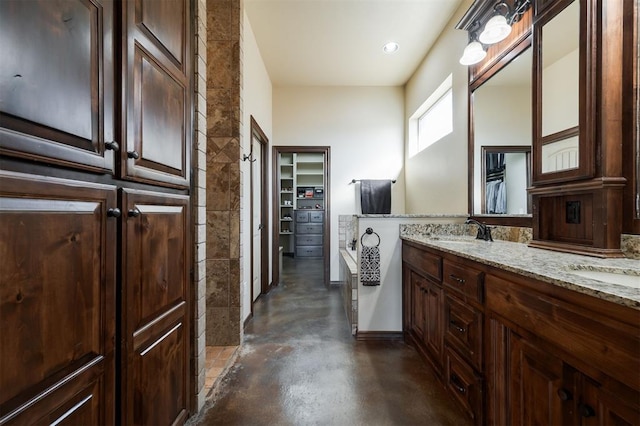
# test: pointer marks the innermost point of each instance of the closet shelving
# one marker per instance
(301, 187)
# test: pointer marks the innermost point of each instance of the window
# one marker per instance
(433, 120)
(437, 122)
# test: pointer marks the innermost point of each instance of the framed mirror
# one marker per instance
(501, 139)
(563, 137)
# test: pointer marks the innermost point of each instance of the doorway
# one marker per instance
(259, 251)
(301, 206)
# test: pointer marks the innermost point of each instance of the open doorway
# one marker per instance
(301, 206)
(259, 250)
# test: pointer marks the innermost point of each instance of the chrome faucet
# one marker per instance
(484, 232)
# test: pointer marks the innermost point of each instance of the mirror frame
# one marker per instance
(587, 86)
(491, 219)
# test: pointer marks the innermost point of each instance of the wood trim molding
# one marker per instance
(379, 335)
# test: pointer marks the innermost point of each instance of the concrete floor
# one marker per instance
(299, 365)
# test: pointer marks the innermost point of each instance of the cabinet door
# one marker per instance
(157, 91)
(56, 80)
(57, 301)
(434, 329)
(155, 265)
(417, 308)
(536, 379)
(609, 405)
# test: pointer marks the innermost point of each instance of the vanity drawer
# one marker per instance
(464, 384)
(308, 240)
(463, 330)
(466, 281)
(308, 228)
(423, 261)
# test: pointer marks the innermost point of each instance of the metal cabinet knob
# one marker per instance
(133, 154)
(564, 394)
(112, 146)
(115, 212)
(133, 213)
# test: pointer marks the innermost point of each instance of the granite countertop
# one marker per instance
(544, 265)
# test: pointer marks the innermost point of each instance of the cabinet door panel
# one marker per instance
(155, 296)
(56, 78)
(158, 96)
(57, 297)
(536, 378)
(417, 310)
(434, 329)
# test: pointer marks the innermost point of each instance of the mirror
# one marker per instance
(560, 91)
(502, 129)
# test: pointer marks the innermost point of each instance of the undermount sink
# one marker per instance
(624, 277)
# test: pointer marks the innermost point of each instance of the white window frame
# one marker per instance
(430, 106)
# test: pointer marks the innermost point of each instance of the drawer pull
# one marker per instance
(586, 410)
(564, 394)
(456, 279)
(455, 381)
(457, 326)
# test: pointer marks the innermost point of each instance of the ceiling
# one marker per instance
(339, 42)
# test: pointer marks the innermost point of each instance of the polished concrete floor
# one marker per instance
(299, 365)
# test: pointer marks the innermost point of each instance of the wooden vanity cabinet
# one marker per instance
(559, 357)
(423, 313)
(446, 321)
(520, 351)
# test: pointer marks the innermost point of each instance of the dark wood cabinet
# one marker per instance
(530, 352)
(155, 256)
(157, 92)
(57, 80)
(57, 300)
(95, 224)
(424, 299)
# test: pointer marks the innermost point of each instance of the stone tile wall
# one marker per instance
(223, 173)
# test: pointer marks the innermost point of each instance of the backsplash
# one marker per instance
(630, 245)
(504, 233)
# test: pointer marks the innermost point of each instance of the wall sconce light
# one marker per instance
(474, 52)
(496, 29)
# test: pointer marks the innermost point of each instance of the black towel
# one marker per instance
(375, 196)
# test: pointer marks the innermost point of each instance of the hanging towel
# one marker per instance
(369, 260)
(375, 196)
(370, 266)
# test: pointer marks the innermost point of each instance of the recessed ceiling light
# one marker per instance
(391, 47)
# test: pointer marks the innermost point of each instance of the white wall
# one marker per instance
(364, 128)
(436, 178)
(380, 307)
(256, 102)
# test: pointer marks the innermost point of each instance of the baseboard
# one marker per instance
(336, 283)
(246, 321)
(379, 335)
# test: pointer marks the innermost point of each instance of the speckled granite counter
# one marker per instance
(544, 265)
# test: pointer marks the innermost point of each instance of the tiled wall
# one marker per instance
(223, 173)
(200, 166)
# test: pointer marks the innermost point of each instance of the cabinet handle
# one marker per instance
(133, 213)
(112, 146)
(457, 326)
(455, 381)
(457, 279)
(133, 154)
(115, 212)
(564, 394)
(586, 410)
